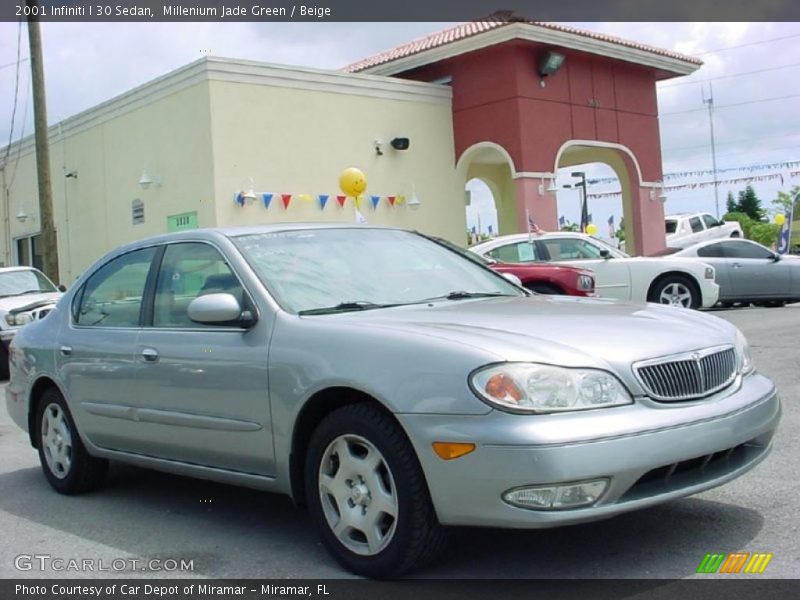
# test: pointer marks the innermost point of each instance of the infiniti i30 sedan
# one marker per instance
(386, 382)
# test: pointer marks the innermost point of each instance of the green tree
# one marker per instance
(783, 203)
(750, 204)
(731, 205)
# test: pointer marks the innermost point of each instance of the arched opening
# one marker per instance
(481, 210)
(642, 208)
(603, 205)
(487, 164)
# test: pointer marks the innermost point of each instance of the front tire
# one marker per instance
(367, 494)
(735, 234)
(4, 365)
(675, 290)
(67, 466)
(544, 288)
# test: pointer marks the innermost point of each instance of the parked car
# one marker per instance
(686, 229)
(678, 282)
(389, 384)
(749, 272)
(539, 278)
(26, 295)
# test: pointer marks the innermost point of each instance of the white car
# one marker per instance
(675, 281)
(686, 229)
(26, 295)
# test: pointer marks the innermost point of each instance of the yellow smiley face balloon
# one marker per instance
(591, 229)
(352, 182)
(780, 219)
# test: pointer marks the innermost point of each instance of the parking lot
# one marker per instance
(229, 532)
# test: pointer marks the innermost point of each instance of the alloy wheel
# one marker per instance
(676, 294)
(56, 441)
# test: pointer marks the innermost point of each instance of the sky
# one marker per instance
(754, 69)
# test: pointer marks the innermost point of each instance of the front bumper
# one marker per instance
(650, 452)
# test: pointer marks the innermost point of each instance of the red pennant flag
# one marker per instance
(341, 200)
(286, 199)
(391, 200)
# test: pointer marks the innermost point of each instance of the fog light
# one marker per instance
(566, 495)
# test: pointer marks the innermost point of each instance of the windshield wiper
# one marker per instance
(461, 295)
(344, 307)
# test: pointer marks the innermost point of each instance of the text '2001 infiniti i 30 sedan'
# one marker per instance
(385, 381)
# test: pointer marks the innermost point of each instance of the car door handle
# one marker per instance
(736, 265)
(65, 350)
(150, 355)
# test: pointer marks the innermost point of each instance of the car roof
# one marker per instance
(513, 237)
(705, 243)
(17, 268)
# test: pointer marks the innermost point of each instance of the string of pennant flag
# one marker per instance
(786, 165)
(706, 184)
(321, 199)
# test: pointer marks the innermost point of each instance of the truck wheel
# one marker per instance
(4, 367)
(735, 234)
(367, 494)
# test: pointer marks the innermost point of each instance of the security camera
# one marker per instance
(400, 143)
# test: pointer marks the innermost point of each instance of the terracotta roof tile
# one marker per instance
(473, 28)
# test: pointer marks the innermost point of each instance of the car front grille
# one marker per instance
(688, 376)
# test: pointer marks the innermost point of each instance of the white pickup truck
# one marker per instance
(686, 229)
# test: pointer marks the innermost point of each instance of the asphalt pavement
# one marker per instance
(229, 532)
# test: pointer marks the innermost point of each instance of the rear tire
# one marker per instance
(735, 234)
(367, 494)
(67, 466)
(675, 290)
(4, 366)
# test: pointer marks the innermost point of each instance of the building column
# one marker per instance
(542, 207)
(647, 223)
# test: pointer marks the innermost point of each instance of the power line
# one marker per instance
(759, 101)
(742, 141)
(11, 64)
(742, 74)
(21, 136)
(759, 42)
(16, 93)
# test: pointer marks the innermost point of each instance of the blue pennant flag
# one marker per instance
(375, 200)
(238, 197)
(267, 199)
(323, 200)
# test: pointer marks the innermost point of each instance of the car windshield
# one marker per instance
(26, 281)
(361, 268)
(672, 225)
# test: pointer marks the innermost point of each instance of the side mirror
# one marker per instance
(605, 253)
(776, 257)
(62, 288)
(219, 309)
(513, 279)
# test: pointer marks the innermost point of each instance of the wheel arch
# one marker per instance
(315, 409)
(675, 273)
(39, 387)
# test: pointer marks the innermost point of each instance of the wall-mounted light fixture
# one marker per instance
(145, 181)
(22, 216)
(413, 202)
(72, 175)
(249, 192)
(658, 193)
(549, 64)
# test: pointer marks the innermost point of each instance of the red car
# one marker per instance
(542, 278)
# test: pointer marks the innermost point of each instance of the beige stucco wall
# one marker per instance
(206, 128)
(169, 137)
(297, 138)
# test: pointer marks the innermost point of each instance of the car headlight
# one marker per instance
(743, 352)
(586, 283)
(537, 388)
(19, 319)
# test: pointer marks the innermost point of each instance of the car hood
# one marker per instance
(14, 302)
(561, 330)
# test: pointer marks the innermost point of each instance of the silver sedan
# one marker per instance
(749, 272)
(386, 382)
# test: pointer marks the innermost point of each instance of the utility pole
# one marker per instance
(710, 102)
(584, 199)
(48, 229)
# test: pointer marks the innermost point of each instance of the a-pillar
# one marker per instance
(534, 199)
